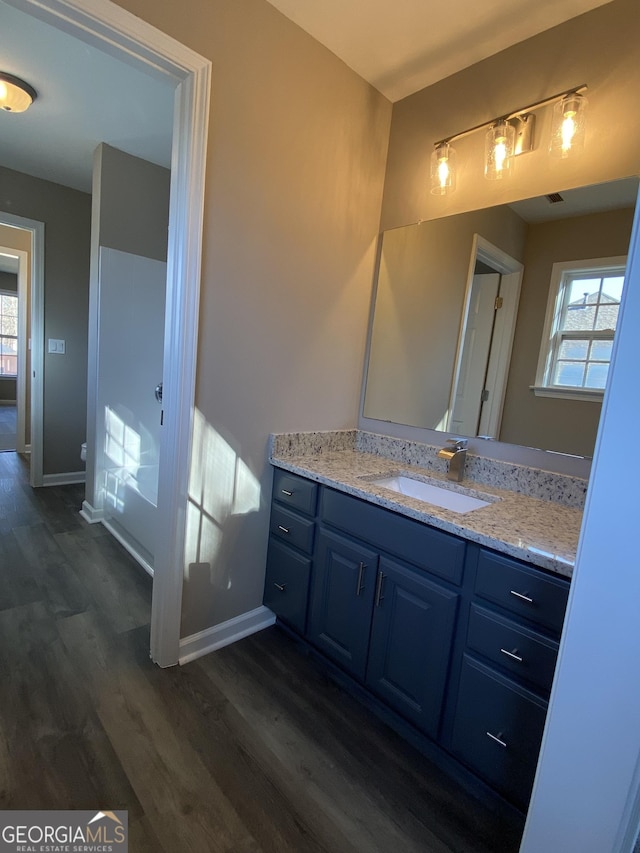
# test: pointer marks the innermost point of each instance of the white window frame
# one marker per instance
(555, 303)
(14, 294)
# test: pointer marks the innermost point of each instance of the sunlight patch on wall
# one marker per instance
(220, 485)
(131, 460)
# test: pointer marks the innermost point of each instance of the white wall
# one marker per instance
(588, 774)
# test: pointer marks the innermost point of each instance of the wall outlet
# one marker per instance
(57, 346)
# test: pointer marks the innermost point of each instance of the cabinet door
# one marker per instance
(498, 729)
(343, 586)
(287, 584)
(411, 640)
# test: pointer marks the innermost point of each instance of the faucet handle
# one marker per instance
(457, 443)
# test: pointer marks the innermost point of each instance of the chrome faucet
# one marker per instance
(455, 453)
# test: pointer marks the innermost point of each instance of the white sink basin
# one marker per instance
(427, 492)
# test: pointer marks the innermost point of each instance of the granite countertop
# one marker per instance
(541, 532)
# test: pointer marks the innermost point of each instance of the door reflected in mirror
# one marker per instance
(459, 317)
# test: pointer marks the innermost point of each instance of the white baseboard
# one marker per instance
(69, 478)
(93, 516)
(122, 539)
(197, 645)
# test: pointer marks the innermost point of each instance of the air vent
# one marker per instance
(554, 198)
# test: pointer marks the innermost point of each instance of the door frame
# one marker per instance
(36, 285)
(511, 271)
(114, 30)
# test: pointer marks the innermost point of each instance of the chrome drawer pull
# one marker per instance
(512, 655)
(285, 492)
(521, 596)
(284, 529)
(497, 739)
(360, 585)
(280, 586)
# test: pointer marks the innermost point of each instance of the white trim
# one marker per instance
(36, 228)
(90, 514)
(197, 645)
(591, 395)
(127, 37)
(128, 547)
(67, 479)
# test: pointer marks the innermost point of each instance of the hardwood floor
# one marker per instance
(249, 749)
(8, 424)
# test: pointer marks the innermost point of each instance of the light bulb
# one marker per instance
(443, 171)
(499, 149)
(568, 129)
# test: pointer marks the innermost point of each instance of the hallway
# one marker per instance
(248, 749)
(8, 426)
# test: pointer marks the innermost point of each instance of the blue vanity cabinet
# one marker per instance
(383, 603)
(511, 643)
(453, 643)
(344, 582)
(291, 542)
(411, 638)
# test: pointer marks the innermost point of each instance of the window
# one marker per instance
(582, 316)
(8, 334)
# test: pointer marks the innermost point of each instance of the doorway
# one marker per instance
(124, 36)
(485, 341)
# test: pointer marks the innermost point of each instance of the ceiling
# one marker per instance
(401, 46)
(86, 97)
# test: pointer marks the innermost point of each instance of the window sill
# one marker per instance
(565, 393)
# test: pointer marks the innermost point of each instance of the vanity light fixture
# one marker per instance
(16, 96)
(509, 136)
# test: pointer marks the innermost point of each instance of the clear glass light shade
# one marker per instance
(498, 150)
(443, 169)
(16, 96)
(568, 127)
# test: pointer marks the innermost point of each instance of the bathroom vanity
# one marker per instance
(448, 622)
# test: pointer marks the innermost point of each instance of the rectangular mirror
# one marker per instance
(459, 318)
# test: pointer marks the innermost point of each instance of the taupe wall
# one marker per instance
(8, 281)
(599, 48)
(133, 211)
(568, 426)
(297, 146)
(422, 282)
(67, 217)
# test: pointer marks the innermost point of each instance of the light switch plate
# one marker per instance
(56, 346)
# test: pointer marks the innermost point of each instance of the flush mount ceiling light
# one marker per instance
(16, 96)
(509, 136)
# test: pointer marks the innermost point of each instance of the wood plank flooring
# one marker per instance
(249, 749)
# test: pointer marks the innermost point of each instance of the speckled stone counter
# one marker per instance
(541, 532)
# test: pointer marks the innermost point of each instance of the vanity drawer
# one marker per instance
(292, 528)
(295, 492)
(521, 651)
(498, 729)
(524, 591)
(436, 552)
(286, 585)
